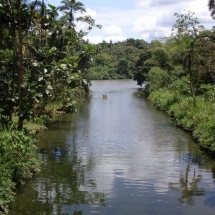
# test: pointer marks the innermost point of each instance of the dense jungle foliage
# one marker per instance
(43, 61)
(43, 58)
(122, 60)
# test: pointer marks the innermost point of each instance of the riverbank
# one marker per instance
(108, 156)
(18, 163)
(19, 158)
(198, 118)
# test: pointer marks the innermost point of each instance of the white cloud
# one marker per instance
(146, 19)
(94, 39)
(144, 24)
(115, 38)
(165, 19)
(98, 39)
(145, 36)
(113, 30)
(160, 16)
(142, 3)
(167, 3)
(90, 12)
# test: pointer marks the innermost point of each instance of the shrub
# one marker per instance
(18, 162)
(157, 78)
(181, 86)
(205, 127)
(182, 112)
(163, 98)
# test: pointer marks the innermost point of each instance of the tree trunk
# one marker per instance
(192, 90)
(20, 68)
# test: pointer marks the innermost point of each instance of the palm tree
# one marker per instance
(188, 30)
(191, 59)
(70, 7)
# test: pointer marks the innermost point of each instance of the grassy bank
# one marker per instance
(198, 118)
(19, 158)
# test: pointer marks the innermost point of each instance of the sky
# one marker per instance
(139, 19)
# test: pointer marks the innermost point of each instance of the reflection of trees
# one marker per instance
(77, 213)
(65, 181)
(213, 172)
(62, 181)
(188, 182)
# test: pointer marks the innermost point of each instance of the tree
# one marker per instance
(141, 70)
(161, 55)
(157, 78)
(207, 52)
(41, 59)
(17, 17)
(188, 30)
(70, 7)
(211, 6)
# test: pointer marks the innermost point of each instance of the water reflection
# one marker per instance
(58, 153)
(58, 188)
(118, 156)
(188, 181)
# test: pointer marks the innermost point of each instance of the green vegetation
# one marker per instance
(43, 63)
(46, 66)
(181, 83)
(122, 60)
(178, 73)
(43, 58)
(18, 163)
(198, 119)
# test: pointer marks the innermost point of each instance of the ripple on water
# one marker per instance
(122, 157)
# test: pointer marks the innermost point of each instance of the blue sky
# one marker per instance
(138, 19)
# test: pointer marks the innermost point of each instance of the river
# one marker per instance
(118, 156)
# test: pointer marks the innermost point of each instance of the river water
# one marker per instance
(118, 156)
